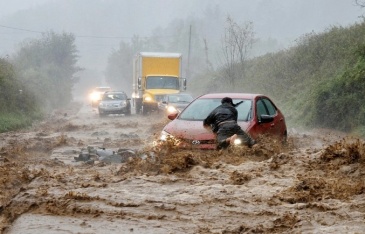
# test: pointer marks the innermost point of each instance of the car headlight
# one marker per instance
(171, 109)
(94, 96)
(162, 139)
(237, 142)
(147, 98)
(167, 138)
(164, 135)
(123, 103)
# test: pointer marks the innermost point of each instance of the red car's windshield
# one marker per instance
(201, 108)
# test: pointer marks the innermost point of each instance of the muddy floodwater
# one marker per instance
(314, 184)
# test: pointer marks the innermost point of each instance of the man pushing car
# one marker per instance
(223, 122)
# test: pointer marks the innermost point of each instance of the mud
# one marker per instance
(313, 184)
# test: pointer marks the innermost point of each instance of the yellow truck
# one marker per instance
(155, 75)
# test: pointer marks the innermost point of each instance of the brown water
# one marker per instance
(312, 185)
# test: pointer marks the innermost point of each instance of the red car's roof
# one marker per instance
(231, 95)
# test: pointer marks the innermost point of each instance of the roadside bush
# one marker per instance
(339, 104)
(13, 121)
(18, 108)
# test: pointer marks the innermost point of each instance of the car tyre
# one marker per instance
(138, 107)
(144, 110)
(101, 114)
(284, 139)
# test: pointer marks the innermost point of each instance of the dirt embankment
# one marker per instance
(314, 184)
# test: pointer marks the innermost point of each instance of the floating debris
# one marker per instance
(105, 155)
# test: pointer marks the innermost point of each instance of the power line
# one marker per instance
(84, 36)
(21, 29)
(102, 37)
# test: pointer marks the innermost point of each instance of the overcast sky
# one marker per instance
(8, 7)
(278, 19)
(334, 12)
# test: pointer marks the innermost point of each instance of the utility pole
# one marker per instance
(188, 69)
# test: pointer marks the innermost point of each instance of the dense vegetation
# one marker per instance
(340, 103)
(37, 80)
(17, 105)
(320, 82)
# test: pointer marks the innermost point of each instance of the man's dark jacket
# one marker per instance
(223, 113)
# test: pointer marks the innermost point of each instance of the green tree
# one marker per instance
(47, 66)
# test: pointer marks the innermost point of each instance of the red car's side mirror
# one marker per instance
(266, 118)
(172, 116)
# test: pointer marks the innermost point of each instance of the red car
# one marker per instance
(257, 115)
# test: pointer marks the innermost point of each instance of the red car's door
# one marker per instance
(264, 106)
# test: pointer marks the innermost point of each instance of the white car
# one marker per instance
(114, 102)
(172, 103)
(96, 95)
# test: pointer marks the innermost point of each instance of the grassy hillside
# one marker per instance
(320, 82)
(17, 106)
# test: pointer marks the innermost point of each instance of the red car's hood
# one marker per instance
(192, 130)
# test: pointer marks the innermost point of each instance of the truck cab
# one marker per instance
(155, 75)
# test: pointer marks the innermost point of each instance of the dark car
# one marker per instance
(257, 115)
(172, 103)
(114, 102)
